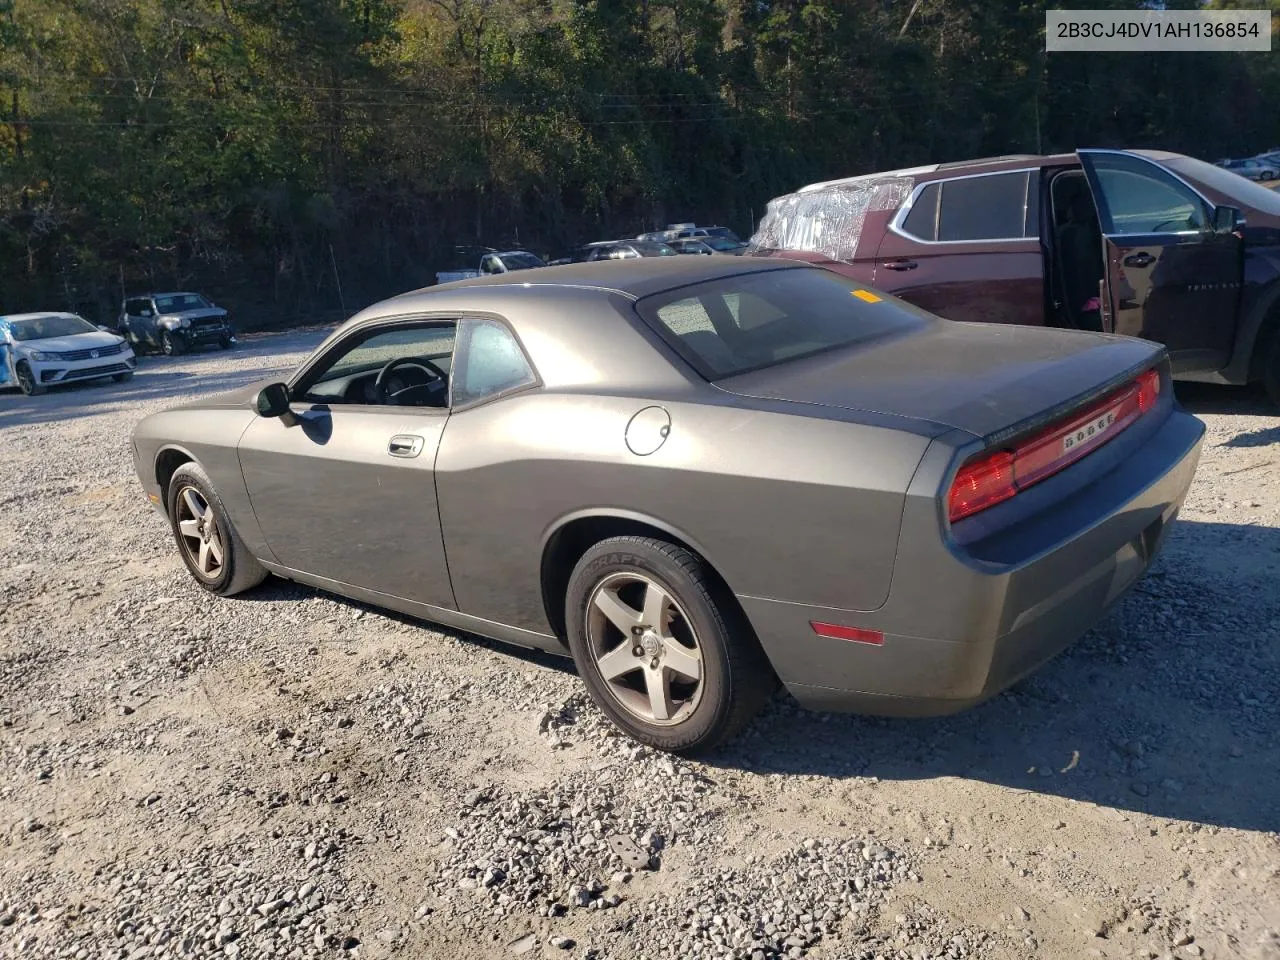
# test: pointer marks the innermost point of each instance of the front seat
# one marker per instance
(1080, 258)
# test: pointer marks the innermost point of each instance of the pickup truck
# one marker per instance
(494, 262)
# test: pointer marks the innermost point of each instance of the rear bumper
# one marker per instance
(959, 629)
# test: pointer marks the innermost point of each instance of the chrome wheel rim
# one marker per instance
(645, 648)
(26, 379)
(199, 534)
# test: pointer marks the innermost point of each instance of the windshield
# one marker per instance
(41, 328)
(1245, 192)
(654, 249)
(744, 322)
(521, 261)
(180, 302)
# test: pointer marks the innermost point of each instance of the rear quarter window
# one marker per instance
(1000, 206)
(983, 208)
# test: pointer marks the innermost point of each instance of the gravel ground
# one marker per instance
(289, 774)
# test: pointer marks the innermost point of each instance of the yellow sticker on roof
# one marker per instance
(866, 295)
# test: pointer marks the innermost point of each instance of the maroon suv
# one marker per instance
(1138, 242)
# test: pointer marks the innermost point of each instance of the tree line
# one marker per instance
(296, 159)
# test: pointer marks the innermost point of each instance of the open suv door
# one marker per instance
(1173, 272)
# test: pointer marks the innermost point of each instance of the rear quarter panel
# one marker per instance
(784, 505)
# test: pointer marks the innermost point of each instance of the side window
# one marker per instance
(137, 307)
(922, 219)
(983, 208)
(489, 264)
(1140, 197)
(414, 361)
(492, 362)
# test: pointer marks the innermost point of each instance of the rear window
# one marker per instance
(746, 322)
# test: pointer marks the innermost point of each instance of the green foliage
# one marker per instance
(254, 148)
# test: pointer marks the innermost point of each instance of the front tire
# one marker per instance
(662, 647)
(207, 542)
(27, 381)
(225, 343)
(172, 344)
(122, 377)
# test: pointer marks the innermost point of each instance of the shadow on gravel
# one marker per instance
(1256, 438)
(1170, 706)
(274, 589)
(1250, 401)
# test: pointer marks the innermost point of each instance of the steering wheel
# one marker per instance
(437, 381)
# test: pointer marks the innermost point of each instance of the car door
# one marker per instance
(140, 318)
(344, 487)
(1169, 276)
(968, 248)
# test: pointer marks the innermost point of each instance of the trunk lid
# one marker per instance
(985, 379)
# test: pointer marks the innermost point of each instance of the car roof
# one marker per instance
(164, 293)
(635, 278)
(41, 315)
(511, 253)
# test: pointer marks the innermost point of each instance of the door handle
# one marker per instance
(900, 265)
(1142, 259)
(404, 445)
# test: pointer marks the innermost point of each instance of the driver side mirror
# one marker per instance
(1227, 220)
(273, 400)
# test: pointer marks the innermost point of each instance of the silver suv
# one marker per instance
(174, 323)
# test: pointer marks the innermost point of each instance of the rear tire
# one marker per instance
(207, 542)
(27, 382)
(680, 621)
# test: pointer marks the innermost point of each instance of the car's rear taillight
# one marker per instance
(995, 476)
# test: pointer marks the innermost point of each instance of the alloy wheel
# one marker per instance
(199, 533)
(645, 648)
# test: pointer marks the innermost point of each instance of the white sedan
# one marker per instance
(41, 350)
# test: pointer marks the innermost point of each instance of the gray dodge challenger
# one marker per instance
(697, 476)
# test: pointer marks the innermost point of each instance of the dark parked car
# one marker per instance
(708, 245)
(696, 475)
(174, 323)
(1146, 243)
(691, 245)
